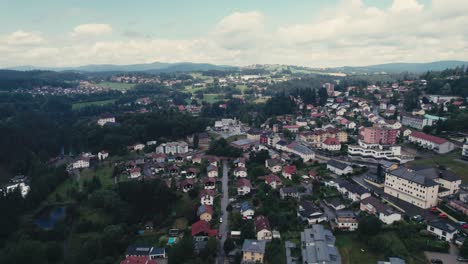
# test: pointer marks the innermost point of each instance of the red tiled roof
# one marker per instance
(290, 169)
(206, 192)
(138, 260)
(331, 141)
(312, 173)
(203, 227)
(427, 137)
(243, 182)
(261, 222)
(272, 178)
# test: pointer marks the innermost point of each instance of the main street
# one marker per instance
(223, 227)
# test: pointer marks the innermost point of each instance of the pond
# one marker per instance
(49, 216)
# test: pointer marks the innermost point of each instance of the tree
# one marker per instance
(369, 226)
(323, 96)
(196, 140)
(182, 252)
(229, 245)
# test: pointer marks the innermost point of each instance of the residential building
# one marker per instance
(442, 229)
(414, 121)
(338, 167)
(212, 171)
(81, 163)
(102, 155)
(346, 220)
(378, 135)
(274, 165)
(201, 230)
(385, 213)
(179, 147)
(318, 246)
(304, 152)
(205, 212)
(437, 144)
(311, 213)
(377, 151)
(246, 210)
(289, 171)
(135, 172)
(412, 187)
(273, 180)
(289, 192)
(352, 191)
(243, 186)
(207, 197)
(331, 144)
(263, 229)
(105, 120)
(253, 251)
(392, 261)
(240, 172)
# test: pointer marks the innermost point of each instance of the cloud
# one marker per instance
(87, 30)
(23, 38)
(350, 33)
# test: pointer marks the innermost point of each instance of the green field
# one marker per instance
(77, 106)
(450, 161)
(352, 250)
(117, 85)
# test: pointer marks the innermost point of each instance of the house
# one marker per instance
(334, 203)
(102, 155)
(459, 206)
(253, 251)
(273, 180)
(191, 173)
(443, 230)
(246, 211)
(201, 230)
(437, 144)
(209, 183)
(352, 191)
(274, 165)
(338, 167)
(207, 197)
(105, 120)
(186, 185)
(173, 148)
(318, 246)
(137, 147)
(240, 172)
(81, 163)
(262, 227)
(159, 158)
(385, 213)
(299, 149)
(289, 171)
(243, 186)
(331, 144)
(212, 171)
(311, 213)
(205, 212)
(346, 220)
(313, 174)
(156, 253)
(243, 144)
(289, 192)
(239, 162)
(197, 159)
(145, 252)
(135, 172)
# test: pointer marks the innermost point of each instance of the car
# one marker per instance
(220, 219)
(461, 259)
(464, 226)
(442, 215)
(436, 261)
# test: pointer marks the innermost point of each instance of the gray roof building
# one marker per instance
(255, 246)
(413, 176)
(318, 246)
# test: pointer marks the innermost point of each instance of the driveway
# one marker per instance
(450, 258)
(223, 227)
(329, 212)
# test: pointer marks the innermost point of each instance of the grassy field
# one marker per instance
(211, 98)
(117, 86)
(450, 161)
(351, 247)
(77, 106)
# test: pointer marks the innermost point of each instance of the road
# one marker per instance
(223, 227)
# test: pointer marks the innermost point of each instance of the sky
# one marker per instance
(315, 33)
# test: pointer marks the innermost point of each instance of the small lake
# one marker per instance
(49, 216)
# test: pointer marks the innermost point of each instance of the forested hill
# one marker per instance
(11, 80)
(448, 82)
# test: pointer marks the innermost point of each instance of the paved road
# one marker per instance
(223, 227)
(450, 258)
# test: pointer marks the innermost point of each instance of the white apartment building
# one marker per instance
(376, 151)
(179, 147)
(412, 187)
(106, 119)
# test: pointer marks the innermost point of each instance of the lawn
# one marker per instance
(450, 161)
(352, 250)
(117, 85)
(211, 98)
(77, 106)
(103, 172)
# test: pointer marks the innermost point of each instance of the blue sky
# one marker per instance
(304, 32)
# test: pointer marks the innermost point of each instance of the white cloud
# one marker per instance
(86, 30)
(349, 34)
(21, 37)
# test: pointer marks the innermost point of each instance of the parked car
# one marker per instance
(436, 261)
